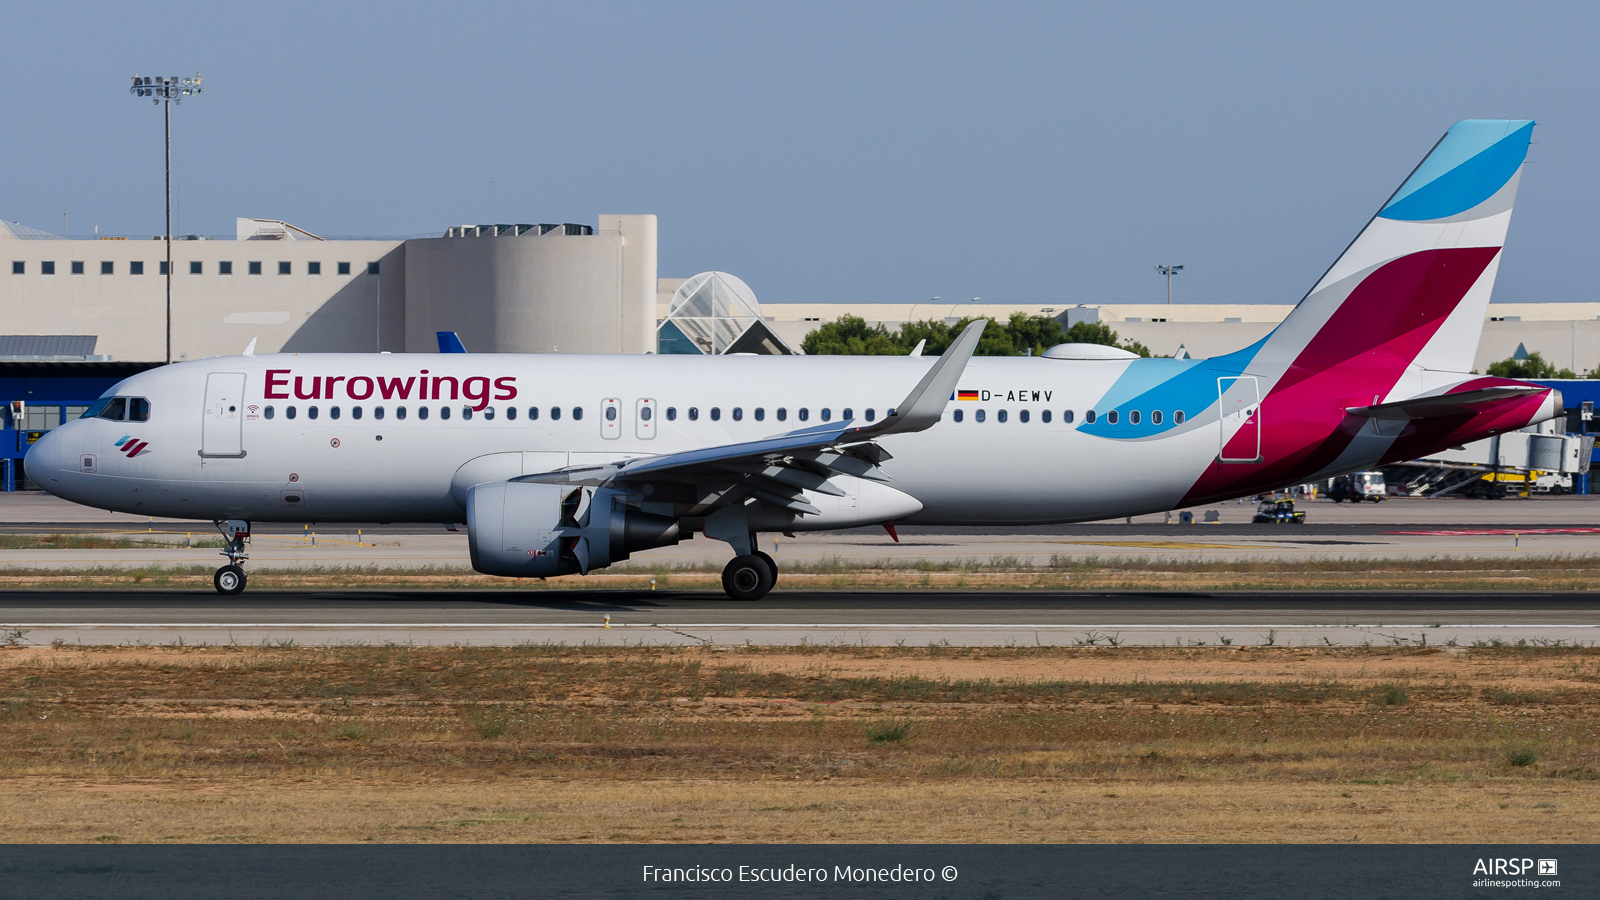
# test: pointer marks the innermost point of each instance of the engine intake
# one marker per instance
(531, 530)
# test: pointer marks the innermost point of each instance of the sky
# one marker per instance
(1037, 153)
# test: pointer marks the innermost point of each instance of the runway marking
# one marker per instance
(1502, 531)
(1158, 545)
(675, 625)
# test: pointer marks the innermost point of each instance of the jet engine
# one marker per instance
(531, 530)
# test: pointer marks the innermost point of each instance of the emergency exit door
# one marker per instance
(1239, 401)
(222, 429)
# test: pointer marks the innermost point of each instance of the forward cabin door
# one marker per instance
(222, 429)
(1240, 404)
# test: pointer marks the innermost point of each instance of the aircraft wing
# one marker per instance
(1462, 403)
(776, 470)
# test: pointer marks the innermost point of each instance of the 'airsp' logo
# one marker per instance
(131, 446)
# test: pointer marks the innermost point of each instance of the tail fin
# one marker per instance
(1413, 287)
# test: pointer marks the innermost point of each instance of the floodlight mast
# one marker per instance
(172, 90)
(1169, 271)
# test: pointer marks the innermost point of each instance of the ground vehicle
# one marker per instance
(1278, 512)
(1357, 487)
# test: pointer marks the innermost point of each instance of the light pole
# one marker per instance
(172, 90)
(1169, 271)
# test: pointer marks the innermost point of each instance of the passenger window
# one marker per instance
(979, 415)
(466, 412)
(645, 414)
(311, 412)
(555, 413)
(672, 414)
(783, 414)
(289, 411)
(1088, 417)
(1002, 415)
(1066, 416)
(826, 414)
(533, 413)
(871, 414)
(848, 413)
(1155, 417)
(116, 410)
(333, 412)
(1044, 416)
(611, 414)
(694, 413)
(1023, 416)
(958, 415)
(738, 414)
(355, 412)
(577, 412)
(422, 412)
(1177, 417)
(716, 413)
(511, 414)
(399, 412)
(1111, 417)
(269, 412)
(444, 412)
(761, 414)
(1133, 417)
(138, 410)
(377, 412)
(488, 412)
(804, 414)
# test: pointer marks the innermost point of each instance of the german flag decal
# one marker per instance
(966, 395)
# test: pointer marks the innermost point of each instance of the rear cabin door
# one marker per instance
(1240, 404)
(221, 431)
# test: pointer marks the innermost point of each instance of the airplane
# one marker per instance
(567, 464)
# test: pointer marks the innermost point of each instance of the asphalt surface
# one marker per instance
(791, 618)
(1137, 529)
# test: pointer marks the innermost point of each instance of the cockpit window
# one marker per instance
(117, 409)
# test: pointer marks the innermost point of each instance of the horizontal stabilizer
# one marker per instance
(1464, 403)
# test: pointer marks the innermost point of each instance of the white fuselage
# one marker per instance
(293, 448)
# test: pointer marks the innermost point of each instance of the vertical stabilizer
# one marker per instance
(1413, 288)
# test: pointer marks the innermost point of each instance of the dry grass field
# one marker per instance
(401, 744)
(1572, 572)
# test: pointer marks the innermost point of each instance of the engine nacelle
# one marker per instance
(531, 530)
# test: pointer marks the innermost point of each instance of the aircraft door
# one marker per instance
(644, 420)
(611, 418)
(222, 429)
(1239, 401)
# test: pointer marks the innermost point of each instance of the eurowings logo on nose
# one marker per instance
(131, 446)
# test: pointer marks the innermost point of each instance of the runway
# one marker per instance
(277, 618)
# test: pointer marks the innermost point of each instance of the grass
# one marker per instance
(349, 743)
(1061, 573)
(100, 542)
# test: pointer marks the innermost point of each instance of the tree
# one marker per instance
(1101, 333)
(1535, 366)
(850, 335)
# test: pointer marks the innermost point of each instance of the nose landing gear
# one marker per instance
(230, 579)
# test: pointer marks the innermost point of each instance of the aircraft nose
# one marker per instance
(43, 462)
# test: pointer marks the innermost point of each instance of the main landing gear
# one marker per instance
(750, 576)
(230, 579)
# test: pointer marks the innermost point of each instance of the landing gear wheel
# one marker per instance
(747, 578)
(229, 580)
(772, 566)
